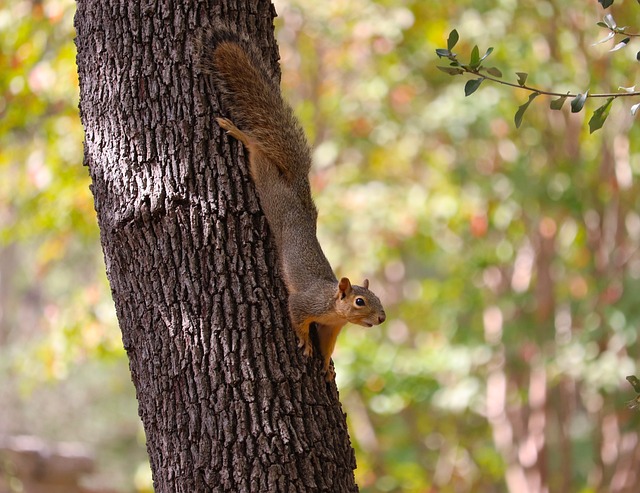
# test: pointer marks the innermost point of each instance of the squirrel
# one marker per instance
(279, 162)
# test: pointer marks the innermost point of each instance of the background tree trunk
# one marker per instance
(227, 400)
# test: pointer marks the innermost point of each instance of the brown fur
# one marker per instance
(280, 159)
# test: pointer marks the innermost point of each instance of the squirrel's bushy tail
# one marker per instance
(251, 94)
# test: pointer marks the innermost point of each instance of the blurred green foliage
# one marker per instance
(48, 228)
(63, 372)
(507, 259)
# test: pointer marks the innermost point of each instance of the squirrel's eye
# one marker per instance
(360, 301)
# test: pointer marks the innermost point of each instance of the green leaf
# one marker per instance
(441, 52)
(601, 24)
(520, 113)
(604, 40)
(578, 102)
(487, 53)
(472, 86)
(635, 383)
(451, 70)
(605, 3)
(475, 57)
(638, 56)
(494, 71)
(610, 22)
(522, 77)
(599, 116)
(557, 104)
(621, 44)
(453, 39)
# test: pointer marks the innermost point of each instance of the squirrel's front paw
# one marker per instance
(306, 344)
(329, 374)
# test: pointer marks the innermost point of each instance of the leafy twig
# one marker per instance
(608, 22)
(476, 68)
(552, 93)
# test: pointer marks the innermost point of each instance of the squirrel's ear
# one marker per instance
(365, 284)
(344, 287)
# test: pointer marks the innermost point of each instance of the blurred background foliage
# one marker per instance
(508, 259)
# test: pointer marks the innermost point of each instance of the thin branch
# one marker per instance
(622, 32)
(550, 93)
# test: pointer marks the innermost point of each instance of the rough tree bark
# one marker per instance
(227, 400)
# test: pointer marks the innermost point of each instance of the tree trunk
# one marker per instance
(227, 400)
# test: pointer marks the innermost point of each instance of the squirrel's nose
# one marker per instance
(382, 317)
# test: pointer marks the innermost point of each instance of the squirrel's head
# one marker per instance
(359, 305)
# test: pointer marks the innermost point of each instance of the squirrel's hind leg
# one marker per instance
(234, 131)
